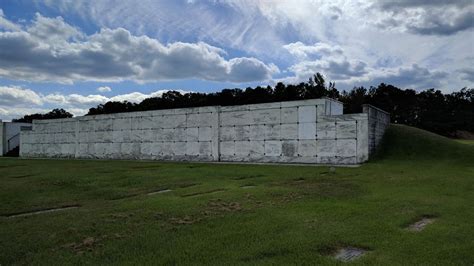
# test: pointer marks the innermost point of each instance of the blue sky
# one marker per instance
(77, 54)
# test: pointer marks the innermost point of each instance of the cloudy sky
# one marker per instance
(77, 54)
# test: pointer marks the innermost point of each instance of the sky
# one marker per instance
(78, 54)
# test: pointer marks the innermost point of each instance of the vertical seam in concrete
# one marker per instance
(76, 132)
(357, 141)
(218, 109)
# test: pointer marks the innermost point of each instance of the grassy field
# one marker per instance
(244, 214)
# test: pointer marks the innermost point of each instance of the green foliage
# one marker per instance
(431, 110)
(54, 114)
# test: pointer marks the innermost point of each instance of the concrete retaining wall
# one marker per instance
(9, 135)
(379, 120)
(309, 131)
(1, 138)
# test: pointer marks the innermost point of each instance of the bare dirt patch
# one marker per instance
(42, 211)
(159, 192)
(246, 177)
(203, 193)
(421, 224)
(21, 176)
(146, 167)
(186, 184)
(347, 254)
(186, 220)
(219, 206)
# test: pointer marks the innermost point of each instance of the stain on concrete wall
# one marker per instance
(309, 131)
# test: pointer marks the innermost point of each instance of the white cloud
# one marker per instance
(319, 49)
(104, 89)
(16, 101)
(51, 50)
(17, 96)
(332, 61)
(433, 34)
(6, 24)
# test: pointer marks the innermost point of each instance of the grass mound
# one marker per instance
(409, 143)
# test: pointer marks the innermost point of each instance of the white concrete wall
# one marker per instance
(174, 134)
(8, 132)
(378, 120)
(2, 139)
(309, 131)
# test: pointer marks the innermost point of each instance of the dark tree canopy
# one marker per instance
(446, 114)
(55, 113)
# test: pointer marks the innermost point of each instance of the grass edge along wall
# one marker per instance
(307, 131)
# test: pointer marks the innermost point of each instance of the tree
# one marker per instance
(54, 114)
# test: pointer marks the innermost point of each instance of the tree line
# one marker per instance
(447, 114)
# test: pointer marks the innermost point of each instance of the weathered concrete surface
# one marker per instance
(309, 131)
(378, 121)
(9, 135)
(1, 138)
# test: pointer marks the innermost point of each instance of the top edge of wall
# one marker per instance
(376, 108)
(194, 109)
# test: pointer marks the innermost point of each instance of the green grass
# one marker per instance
(293, 215)
(466, 141)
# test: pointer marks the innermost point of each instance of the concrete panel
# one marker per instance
(336, 108)
(273, 148)
(236, 118)
(326, 147)
(122, 124)
(289, 148)
(346, 129)
(320, 111)
(289, 115)
(257, 132)
(68, 126)
(205, 133)
(144, 122)
(307, 148)
(200, 120)
(265, 116)
(289, 131)
(275, 105)
(346, 147)
(205, 148)
(170, 121)
(53, 127)
(128, 149)
(307, 130)
(192, 148)
(227, 133)
(103, 125)
(241, 132)
(227, 147)
(242, 148)
(85, 126)
(272, 132)
(307, 114)
(257, 149)
(192, 134)
(148, 135)
(326, 130)
(68, 150)
(53, 149)
(146, 150)
(362, 141)
(312, 102)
